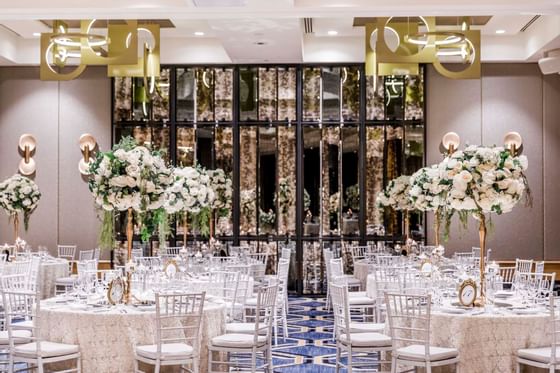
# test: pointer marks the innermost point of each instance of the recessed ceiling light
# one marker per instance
(332, 32)
(199, 33)
(36, 34)
(500, 31)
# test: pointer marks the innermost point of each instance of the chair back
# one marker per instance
(337, 269)
(339, 294)
(507, 274)
(389, 260)
(359, 253)
(554, 303)
(149, 262)
(414, 282)
(523, 265)
(87, 268)
(86, 255)
(264, 312)
(178, 319)
(238, 250)
(539, 267)
(476, 252)
(20, 304)
(172, 251)
(97, 253)
(409, 320)
(224, 285)
(282, 275)
(67, 252)
(286, 253)
(327, 256)
(19, 267)
(537, 286)
(34, 268)
(258, 263)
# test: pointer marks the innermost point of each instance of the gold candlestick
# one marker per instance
(129, 233)
(482, 236)
(436, 225)
(16, 226)
(185, 227)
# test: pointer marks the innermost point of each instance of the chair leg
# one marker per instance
(210, 361)
(79, 364)
(393, 364)
(518, 369)
(254, 361)
(337, 362)
(428, 367)
(40, 368)
(349, 362)
(135, 365)
(552, 369)
(157, 367)
(285, 322)
(269, 358)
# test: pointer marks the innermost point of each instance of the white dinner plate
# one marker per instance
(453, 310)
(501, 303)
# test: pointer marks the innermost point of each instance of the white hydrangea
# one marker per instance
(396, 194)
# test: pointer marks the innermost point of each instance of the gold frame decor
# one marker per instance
(116, 282)
(465, 284)
(171, 264)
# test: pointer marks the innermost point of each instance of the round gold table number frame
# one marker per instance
(115, 293)
(467, 293)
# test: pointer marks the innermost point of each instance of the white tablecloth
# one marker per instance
(107, 339)
(49, 271)
(489, 342)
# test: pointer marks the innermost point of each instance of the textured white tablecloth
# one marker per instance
(107, 339)
(49, 271)
(487, 342)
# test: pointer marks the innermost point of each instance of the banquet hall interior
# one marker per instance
(279, 186)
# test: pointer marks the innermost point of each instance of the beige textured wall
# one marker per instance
(57, 114)
(508, 97)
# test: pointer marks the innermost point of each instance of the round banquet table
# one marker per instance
(49, 271)
(107, 337)
(489, 342)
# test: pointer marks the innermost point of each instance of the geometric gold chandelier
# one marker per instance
(404, 43)
(65, 54)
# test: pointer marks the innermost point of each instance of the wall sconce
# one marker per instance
(451, 142)
(27, 145)
(87, 145)
(513, 142)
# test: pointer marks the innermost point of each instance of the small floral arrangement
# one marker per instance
(286, 197)
(267, 219)
(191, 192)
(485, 180)
(353, 197)
(427, 190)
(19, 194)
(395, 195)
(334, 203)
(248, 205)
(129, 177)
(222, 187)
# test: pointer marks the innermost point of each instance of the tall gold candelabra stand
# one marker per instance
(16, 226)
(129, 267)
(436, 224)
(482, 236)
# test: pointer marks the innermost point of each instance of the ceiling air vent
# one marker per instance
(524, 28)
(219, 3)
(308, 25)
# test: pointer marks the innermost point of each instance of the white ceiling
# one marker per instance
(253, 31)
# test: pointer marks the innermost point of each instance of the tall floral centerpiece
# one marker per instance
(484, 180)
(129, 178)
(428, 192)
(222, 186)
(396, 196)
(190, 194)
(19, 194)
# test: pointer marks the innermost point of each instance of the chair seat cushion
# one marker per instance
(364, 300)
(417, 353)
(169, 351)
(48, 349)
(366, 340)
(540, 354)
(237, 340)
(366, 327)
(243, 328)
(251, 302)
(20, 336)
(66, 281)
(352, 281)
(354, 294)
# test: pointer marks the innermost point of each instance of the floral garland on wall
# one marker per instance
(129, 177)
(19, 194)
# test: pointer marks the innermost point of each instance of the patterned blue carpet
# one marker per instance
(309, 346)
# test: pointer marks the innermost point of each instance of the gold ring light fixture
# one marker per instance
(87, 146)
(513, 142)
(451, 142)
(27, 145)
(440, 38)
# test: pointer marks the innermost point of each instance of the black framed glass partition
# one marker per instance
(348, 134)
